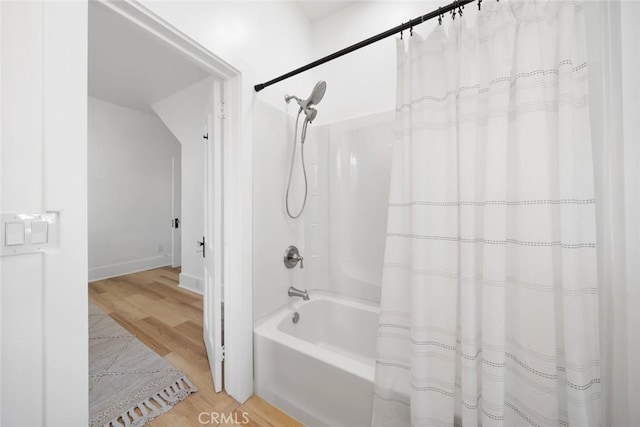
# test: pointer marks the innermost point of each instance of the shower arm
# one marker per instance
(288, 98)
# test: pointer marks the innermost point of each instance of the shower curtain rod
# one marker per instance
(395, 30)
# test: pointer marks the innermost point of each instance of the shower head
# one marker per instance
(314, 99)
(316, 95)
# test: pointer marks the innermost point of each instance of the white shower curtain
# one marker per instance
(490, 284)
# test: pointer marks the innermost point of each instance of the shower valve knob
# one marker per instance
(292, 257)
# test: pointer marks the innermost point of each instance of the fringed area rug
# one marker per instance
(129, 384)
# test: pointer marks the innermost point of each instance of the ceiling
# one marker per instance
(129, 67)
(316, 10)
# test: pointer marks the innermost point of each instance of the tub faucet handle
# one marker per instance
(292, 257)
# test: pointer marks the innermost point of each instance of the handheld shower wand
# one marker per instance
(305, 106)
(311, 114)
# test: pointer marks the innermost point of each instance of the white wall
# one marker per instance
(263, 39)
(184, 113)
(130, 178)
(364, 82)
(43, 297)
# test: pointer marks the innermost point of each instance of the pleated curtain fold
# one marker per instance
(490, 299)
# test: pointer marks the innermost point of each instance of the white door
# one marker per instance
(176, 218)
(212, 239)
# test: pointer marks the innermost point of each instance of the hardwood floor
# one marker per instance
(168, 319)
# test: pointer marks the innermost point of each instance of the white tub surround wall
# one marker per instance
(359, 193)
(348, 168)
(130, 177)
(274, 231)
(316, 214)
(321, 369)
(184, 114)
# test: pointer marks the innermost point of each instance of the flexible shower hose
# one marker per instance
(304, 170)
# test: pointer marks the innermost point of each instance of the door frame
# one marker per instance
(237, 209)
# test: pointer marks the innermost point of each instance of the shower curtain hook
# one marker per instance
(479, 4)
(460, 9)
(439, 17)
(401, 34)
(411, 29)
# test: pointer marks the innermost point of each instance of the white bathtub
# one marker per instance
(320, 370)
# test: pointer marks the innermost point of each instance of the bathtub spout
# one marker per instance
(293, 292)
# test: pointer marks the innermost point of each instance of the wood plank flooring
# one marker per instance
(168, 319)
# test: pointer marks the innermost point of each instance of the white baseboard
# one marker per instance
(129, 267)
(191, 283)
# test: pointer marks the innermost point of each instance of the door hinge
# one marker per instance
(220, 351)
(222, 116)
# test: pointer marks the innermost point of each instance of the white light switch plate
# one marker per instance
(28, 233)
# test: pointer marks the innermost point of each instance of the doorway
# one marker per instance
(148, 97)
(135, 160)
